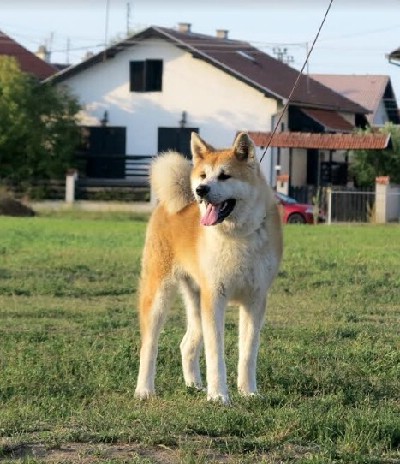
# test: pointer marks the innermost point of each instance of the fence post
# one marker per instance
(70, 182)
(381, 190)
(329, 205)
(282, 184)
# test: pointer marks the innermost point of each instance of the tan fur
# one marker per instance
(235, 261)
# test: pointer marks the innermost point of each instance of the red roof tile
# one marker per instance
(28, 62)
(368, 90)
(262, 70)
(321, 141)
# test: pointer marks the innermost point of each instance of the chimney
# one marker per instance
(222, 33)
(184, 27)
(43, 53)
(87, 55)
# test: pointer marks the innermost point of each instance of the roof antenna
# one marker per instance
(297, 80)
(128, 18)
(106, 28)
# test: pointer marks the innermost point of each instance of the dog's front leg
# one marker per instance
(192, 342)
(213, 315)
(250, 324)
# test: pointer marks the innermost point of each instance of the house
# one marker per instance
(28, 61)
(146, 94)
(373, 92)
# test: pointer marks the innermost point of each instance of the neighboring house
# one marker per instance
(147, 94)
(28, 61)
(373, 92)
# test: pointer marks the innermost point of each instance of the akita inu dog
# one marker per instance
(216, 233)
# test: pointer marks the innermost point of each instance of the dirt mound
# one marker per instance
(11, 207)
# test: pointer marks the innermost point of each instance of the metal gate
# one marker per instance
(351, 205)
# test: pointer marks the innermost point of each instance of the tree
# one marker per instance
(38, 127)
(366, 165)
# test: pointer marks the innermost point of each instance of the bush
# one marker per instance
(366, 165)
(38, 128)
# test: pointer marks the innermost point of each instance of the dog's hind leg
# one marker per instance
(193, 340)
(251, 320)
(155, 299)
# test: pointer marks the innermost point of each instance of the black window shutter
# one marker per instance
(137, 76)
(154, 70)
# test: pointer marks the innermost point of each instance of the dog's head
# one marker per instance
(223, 180)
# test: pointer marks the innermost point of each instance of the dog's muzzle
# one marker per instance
(215, 212)
(202, 190)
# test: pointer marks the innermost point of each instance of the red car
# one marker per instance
(297, 213)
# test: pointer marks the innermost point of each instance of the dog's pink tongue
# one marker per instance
(211, 215)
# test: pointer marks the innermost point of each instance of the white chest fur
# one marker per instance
(239, 266)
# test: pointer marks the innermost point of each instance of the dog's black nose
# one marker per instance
(202, 190)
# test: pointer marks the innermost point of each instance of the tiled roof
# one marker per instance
(330, 120)
(321, 141)
(242, 61)
(28, 62)
(366, 90)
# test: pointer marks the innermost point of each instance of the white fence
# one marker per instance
(393, 204)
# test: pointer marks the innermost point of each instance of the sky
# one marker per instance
(355, 39)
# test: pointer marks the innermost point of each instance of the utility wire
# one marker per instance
(297, 80)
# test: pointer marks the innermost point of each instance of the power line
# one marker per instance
(362, 33)
(298, 78)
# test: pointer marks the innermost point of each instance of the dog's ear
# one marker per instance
(199, 147)
(243, 147)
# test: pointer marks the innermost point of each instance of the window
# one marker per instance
(146, 76)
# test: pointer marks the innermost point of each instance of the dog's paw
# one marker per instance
(144, 393)
(251, 396)
(248, 394)
(219, 398)
(195, 386)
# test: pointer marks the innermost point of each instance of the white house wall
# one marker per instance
(349, 117)
(299, 167)
(380, 117)
(215, 102)
(269, 163)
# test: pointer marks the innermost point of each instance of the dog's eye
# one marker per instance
(223, 176)
(202, 175)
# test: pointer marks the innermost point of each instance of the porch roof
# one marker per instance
(321, 141)
(331, 120)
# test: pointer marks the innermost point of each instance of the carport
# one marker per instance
(326, 171)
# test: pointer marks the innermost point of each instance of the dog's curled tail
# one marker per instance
(170, 181)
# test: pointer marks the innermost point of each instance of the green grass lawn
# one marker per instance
(329, 365)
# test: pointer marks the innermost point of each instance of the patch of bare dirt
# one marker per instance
(90, 453)
(85, 453)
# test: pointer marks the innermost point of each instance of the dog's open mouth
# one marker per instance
(215, 214)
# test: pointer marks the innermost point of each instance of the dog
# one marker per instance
(216, 235)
